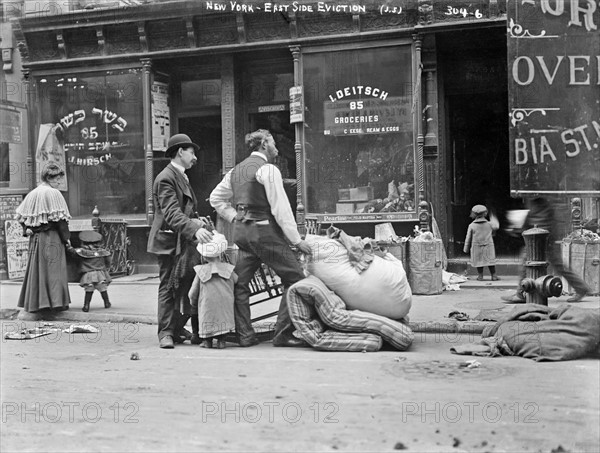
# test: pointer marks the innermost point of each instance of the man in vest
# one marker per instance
(252, 197)
(174, 225)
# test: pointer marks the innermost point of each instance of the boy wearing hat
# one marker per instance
(480, 242)
(94, 262)
(174, 226)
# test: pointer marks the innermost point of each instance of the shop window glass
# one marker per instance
(200, 93)
(94, 124)
(14, 148)
(359, 139)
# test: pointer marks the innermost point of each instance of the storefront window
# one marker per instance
(93, 123)
(14, 148)
(359, 134)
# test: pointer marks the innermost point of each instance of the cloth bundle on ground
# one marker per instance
(364, 281)
(540, 333)
(314, 309)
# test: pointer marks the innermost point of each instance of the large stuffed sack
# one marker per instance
(381, 289)
(546, 333)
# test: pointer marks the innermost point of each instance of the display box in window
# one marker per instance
(356, 194)
(350, 207)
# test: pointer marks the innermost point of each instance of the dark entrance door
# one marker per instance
(479, 163)
(206, 174)
(278, 123)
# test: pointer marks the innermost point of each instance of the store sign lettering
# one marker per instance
(539, 150)
(359, 90)
(554, 78)
(89, 135)
(106, 116)
(578, 69)
(579, 10)
(367, 116)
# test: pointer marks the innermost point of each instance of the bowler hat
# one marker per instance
(90, 236)
(179, 141)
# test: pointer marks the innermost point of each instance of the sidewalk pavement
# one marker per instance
(134, 299)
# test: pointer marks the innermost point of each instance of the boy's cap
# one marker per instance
(90, 236)
(479, 209)
(215, 247)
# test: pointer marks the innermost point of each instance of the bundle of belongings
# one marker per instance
(355, 297)
(540, 333)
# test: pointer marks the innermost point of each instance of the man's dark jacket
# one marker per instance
(175, 206)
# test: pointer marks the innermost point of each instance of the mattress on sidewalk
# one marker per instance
(321, 318)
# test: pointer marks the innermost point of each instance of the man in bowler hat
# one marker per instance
(174, 224)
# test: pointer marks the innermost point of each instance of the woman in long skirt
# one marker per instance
(44, 215)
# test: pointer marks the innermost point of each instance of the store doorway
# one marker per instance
(278, 123)
(207, 173)
(479, 164)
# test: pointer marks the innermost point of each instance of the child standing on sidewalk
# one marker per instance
(480, 242)
(94, 262)
(211, 295)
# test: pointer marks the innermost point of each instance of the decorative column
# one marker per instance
(298, 146)
(418, 118)
(431, 123)
(227, 113)
(30, 170)
(148, 154)
(433, 180)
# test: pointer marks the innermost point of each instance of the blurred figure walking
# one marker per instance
(541, 215)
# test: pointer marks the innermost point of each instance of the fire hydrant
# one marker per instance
(537, 285)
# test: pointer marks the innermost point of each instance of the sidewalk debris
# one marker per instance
(471, 364)
(451, 281)
(81, 329)
(28, 334)
(459, 316)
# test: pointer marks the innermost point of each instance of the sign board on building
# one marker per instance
(296, 105)
(80, 225)
(161, 122)
(271, 108)
(367, 116)
(17, 249)
(360, 218)
(8, 206)
(554, 97)
(11, 126)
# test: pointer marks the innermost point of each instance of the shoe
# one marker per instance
(288, 342)
(576, 298)
(86, 307)
(207, 343)
(195, 339)
(166, 342)
(480, 277)
(107, 304)
(495, 279)
(221, 343)
(514, 299)
(184, 335)
(247, 342)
